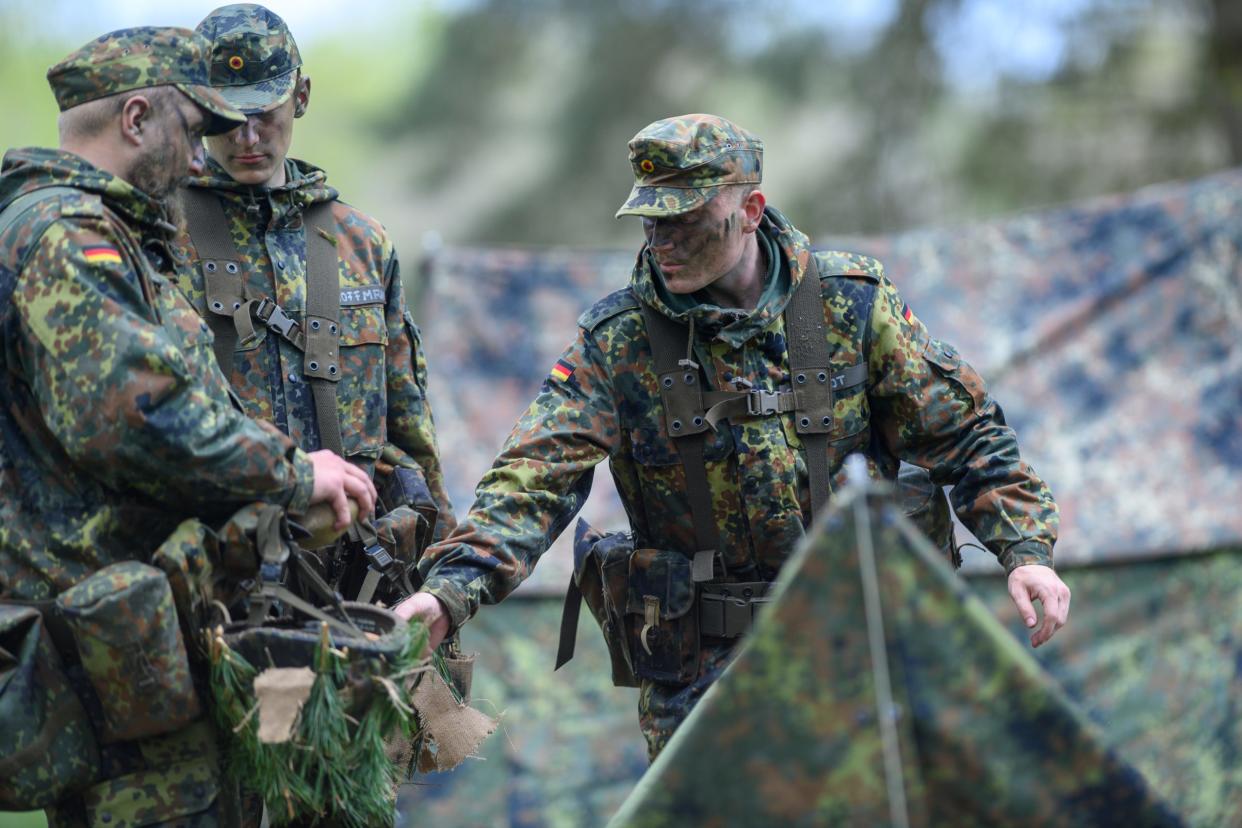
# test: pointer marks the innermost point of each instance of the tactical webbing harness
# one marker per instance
(690, 412)
(231, 314)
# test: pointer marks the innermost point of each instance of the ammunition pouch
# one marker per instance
(384, 570)
(601, 581)
(124, 625)
(648, 606)
(47, 745)
(400, 483)
(661, 621)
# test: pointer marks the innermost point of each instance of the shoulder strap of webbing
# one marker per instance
(220, 263)
(322, 324)
(809, 369)
(321, 359)
(682, 396)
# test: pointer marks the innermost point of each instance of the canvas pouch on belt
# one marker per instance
(601, 581)
(47, 747)
(124, 624)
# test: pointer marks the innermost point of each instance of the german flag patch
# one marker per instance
(102, 254)
(906, 313)
(562, 370)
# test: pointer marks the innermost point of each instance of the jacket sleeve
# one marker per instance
(411, 427)
(931, 408)
(533, 490)
(119, 394)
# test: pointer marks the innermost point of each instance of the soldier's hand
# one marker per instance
(426, 606)
(1034, 582)
(336, 481)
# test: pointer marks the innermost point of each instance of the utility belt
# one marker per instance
(728, 610)
(654, 607)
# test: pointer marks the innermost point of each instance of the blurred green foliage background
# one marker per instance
(505, 121)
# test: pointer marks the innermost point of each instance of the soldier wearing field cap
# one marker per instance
(726, 385)
(116, 428)
(303, 293)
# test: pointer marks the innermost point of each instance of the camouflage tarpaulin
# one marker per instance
(794, 733)
(1109, 333)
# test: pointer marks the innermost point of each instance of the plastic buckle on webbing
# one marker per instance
(378, 558)
(762, 403)
(274, 316)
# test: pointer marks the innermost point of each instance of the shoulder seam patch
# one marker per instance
(611, 305)
(88, 205)
(849, 272)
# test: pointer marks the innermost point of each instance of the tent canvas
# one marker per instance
(877, 689)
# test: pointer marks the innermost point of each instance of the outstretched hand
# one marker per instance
(427, 607)
(1034, 582)
(336, 481)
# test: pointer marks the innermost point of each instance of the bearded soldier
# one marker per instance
(116, 427)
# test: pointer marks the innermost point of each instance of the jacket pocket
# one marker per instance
(47, 747)
(662, 481)
(662, 619)
(124, 623)
(362, 392)
(948, 363)
(851, 415)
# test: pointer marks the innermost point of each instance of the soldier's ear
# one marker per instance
(135, 115)
(301, 97)
(752, 208)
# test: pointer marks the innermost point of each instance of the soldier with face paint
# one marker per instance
(255, 217)
(726, 386)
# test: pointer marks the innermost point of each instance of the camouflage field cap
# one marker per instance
(254, 59)
(137, 58)
(680, 163)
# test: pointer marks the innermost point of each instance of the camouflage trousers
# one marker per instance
(174, 779)
(663, 707)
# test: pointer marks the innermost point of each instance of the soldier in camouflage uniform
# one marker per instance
(265, 196)
(725, 268)
(117, 425)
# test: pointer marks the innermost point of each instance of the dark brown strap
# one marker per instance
(220, 265)
(738, 405)
(807, 343)
(569, 623)
(321, 359)
(323, 310)
(682, 396)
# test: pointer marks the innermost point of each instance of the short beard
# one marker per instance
(150, 174)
